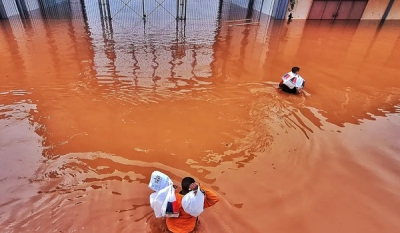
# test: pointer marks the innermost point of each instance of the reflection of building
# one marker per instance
(145, 50)
(141, 43)
(64, 61)
(131, 49)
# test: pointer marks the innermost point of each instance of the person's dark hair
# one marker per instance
(295, 69)
(186, 182)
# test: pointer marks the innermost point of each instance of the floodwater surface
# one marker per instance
(88, 112)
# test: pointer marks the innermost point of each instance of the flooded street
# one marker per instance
(89, 111)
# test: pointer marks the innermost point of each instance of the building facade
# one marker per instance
(334, 9)
(239, 9)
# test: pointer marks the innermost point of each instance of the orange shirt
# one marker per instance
(185, 223)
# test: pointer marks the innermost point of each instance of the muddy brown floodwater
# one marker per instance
(86, 115)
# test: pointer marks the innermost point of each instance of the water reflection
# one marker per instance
(111, 102)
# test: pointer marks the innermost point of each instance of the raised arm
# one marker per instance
(210, 197)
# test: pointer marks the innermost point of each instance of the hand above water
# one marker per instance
(193, 186)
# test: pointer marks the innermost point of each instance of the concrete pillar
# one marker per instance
(22, 9)
(3, 13)
(181, 8)
(220, 9)
(388, 8)
(104, 7)
(186, 2)
(178, 12)
(261, 10)
(250, 7)
(83, 8)
(108, 9)
(280, 9)
(42, 8)
(48, 8)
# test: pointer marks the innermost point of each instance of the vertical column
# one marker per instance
(22, 9)
(42, 8)
(101, 9)
(388, 8)
(250, 7)
(177, 10)
(280, 8)
(63, 9)
(184, 17)
(48, 9)
(221, 2)
(261, 10)
(105, 17)
(83, 8)
(181, 9)
(182, 6)
(107, 29)
(104, 7)
(108, 9)
(3, 13)
(143, 12)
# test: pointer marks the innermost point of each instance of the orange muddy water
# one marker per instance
(87, 114)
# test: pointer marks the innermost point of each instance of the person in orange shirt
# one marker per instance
(186, 223)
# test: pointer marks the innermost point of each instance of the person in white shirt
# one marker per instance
(292, 82)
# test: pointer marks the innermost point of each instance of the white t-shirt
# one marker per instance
(293, 80)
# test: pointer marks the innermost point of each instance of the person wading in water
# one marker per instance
(186, 223)
(292, 82)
